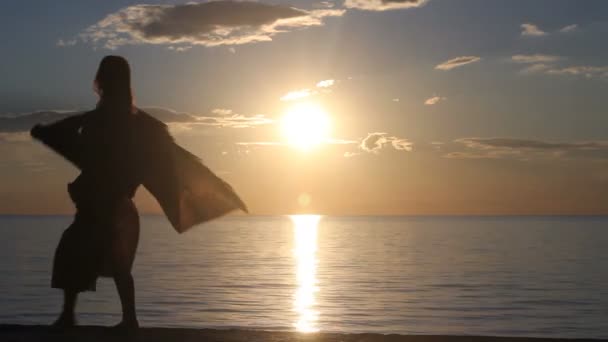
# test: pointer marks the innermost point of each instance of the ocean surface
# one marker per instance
(512, 276)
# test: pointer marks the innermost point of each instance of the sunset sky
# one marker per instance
(345, 107)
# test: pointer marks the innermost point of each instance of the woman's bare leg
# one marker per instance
(126, 292)
(67, 317)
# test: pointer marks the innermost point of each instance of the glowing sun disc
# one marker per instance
(305, 125)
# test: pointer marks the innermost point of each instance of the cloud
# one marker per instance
(536, 58)
(434, 100)
(513, 143)
(179, 48)
(297, 94)
(324, 4)
(457, 62)
(325, 83)
(536, 63)
(526, 149)
(219, 118)
(531, 30)
(383, 5)
(548, 64)
(587, 71)
(324, 88)
(374, 142)
(171, 116)
(24, 122)
(401, 144)
(65, 43)
(222, 111)
(180, 120)
(569, 28)
(211, 23)
(246, 147)
(334, 141)
(261, 143)
(535, 68)
(331, 141)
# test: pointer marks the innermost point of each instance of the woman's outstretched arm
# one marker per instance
(62, 137)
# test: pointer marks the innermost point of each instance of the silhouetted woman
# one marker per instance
(103, 237)
(117, 147)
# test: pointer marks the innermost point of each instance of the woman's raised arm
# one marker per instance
(62, 137)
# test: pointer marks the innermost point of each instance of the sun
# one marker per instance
(305, 125)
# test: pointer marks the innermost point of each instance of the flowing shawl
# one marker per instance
(188, 192)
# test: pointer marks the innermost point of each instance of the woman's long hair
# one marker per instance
(113, 84)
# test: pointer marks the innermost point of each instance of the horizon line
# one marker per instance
(349, 215)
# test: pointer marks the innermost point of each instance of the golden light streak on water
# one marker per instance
(305, 248)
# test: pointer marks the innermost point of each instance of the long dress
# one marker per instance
(115, 155)
(102, 240)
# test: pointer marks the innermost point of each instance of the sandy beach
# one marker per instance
(25, 333)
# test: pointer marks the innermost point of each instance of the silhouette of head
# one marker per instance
(113, 85)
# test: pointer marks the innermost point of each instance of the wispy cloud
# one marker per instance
(374, 142)
(587, 71)
(536, 58)
(179, 48)
(527, 149)
(536, 63)
(297, 95)
(222, 111)
(211, 23)
(219, 117)
(325, 83)
(324, 87)
(324, 4)
(531, 30)
(457, 62)
(64, 43)
(383, 5)
(434, 100)
(23, 122)
(330, 141)
(261, 143)
(569, 28)
(536, 68)
(515, 143)
(550, 65)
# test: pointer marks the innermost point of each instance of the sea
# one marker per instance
(538, 276)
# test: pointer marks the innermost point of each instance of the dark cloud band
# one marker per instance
(219, 118)
(209, 24)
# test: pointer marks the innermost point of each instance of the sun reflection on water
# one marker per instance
(305, 248)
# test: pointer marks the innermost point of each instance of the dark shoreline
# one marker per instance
(26, 333)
